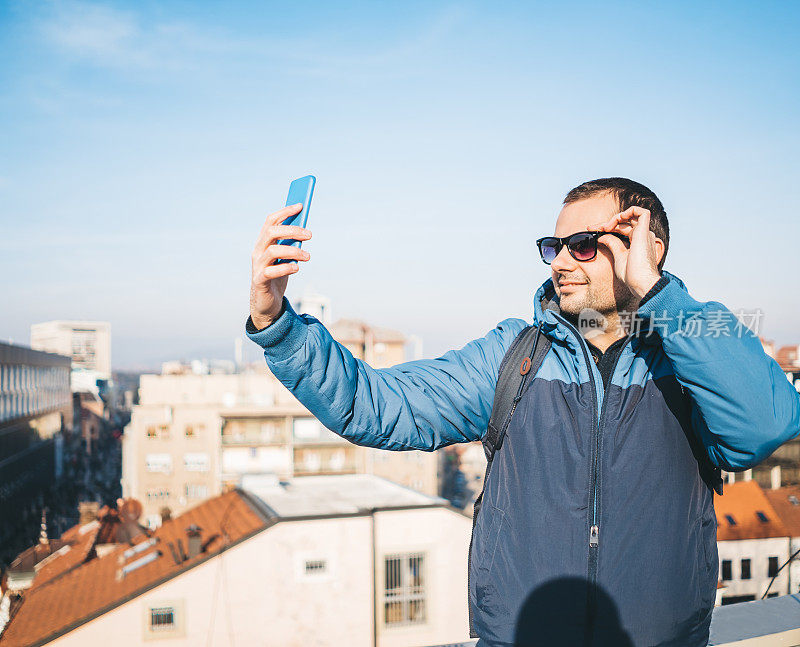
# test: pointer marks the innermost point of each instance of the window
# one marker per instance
(164, 431)
(151, 431)
(196, 462)
(306, 429)
(157, 495)
(404, 589)
(762, 517)
(162, 619)
(745, 569)
(158, 463)
(316, 566)
(727, 570)
(189, 431)
(195, 491)
(772, 568)
(730, 519)
(735, 599)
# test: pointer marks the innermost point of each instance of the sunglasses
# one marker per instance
(582, 246)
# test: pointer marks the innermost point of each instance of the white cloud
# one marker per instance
(109, 37)
(94, 31)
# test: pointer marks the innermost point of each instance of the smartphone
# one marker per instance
(300, 190)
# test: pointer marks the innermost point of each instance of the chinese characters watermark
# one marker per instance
(705, 322)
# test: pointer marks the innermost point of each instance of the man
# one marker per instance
(597, 525)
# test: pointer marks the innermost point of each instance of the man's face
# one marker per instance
(588, 284)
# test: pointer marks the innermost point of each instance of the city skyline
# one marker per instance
(145, 146)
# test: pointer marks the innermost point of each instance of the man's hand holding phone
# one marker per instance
(268, 280)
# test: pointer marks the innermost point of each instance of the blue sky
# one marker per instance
(144, 143)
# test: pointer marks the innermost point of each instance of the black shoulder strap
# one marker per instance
(523, 359)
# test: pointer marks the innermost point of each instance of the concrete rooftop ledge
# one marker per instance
(763, 623)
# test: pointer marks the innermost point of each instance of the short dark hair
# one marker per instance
(627, 193)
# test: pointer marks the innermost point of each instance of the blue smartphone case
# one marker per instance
(300, 190)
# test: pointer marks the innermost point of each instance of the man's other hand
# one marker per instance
(636, 266)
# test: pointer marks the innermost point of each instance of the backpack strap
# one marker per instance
(523, 358)
(521, 361)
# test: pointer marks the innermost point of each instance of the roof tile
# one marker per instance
(65, 595)
(742, 501)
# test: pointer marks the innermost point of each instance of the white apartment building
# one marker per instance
(786, 502)
(325, 561)
(88, 343)
(753, 543)
(194, 435)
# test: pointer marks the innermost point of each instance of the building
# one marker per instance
(788, 357)
(172, 448)
(90, 419)
(753, 543)
(199, 428)
(786, 502)
(35, 407)
(88, 343)
(344, 560)
(194, 435)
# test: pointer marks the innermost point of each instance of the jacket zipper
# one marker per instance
(594, 529)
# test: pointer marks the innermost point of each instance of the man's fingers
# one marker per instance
(605, 225)
(276, 218)
(642, 227)
(273, 272)
(288, 231)
(274, 252)
(616, 246)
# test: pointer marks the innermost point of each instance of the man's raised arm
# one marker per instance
(424, 404)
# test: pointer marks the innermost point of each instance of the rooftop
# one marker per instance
(106, 575)
(786, 501)
(356, 331)
(745, 512)
(763, 623)
(350, 494)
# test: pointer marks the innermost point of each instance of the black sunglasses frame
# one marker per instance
(561, 242)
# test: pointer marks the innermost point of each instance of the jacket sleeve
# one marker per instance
(743, 407)
(423, 404)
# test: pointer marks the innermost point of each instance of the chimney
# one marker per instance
(194, 541)
(166, 514)
(775, 477)
(88, 511)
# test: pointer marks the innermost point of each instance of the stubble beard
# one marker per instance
(607, 302)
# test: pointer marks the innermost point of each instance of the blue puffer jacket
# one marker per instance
(598, 514)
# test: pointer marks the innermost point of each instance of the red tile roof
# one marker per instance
(78, 552)
(787, 357)
(742, 502)
(64, 597)
(786, 501)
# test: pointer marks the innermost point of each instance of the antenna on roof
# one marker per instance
(175, 557)
(43, 532)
